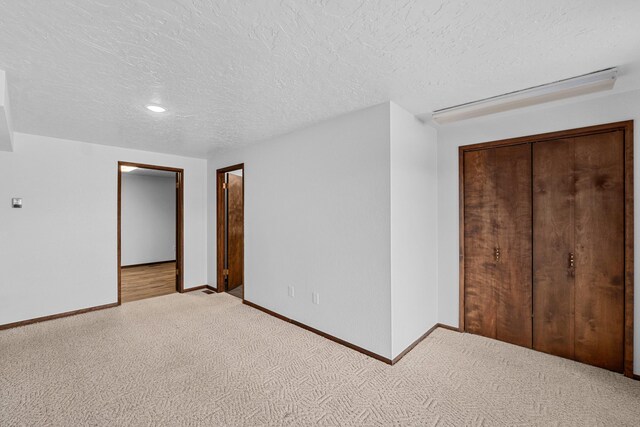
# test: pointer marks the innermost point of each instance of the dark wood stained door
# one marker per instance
(565, 285)
(553, 241)
(235, 230)
(513, 191)
(480, 228)
(498, 243)
(579, 248)
(599, 251)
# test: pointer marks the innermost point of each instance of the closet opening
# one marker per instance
(546, 243)
(150, 231)
(230, 230)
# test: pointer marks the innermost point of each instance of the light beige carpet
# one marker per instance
(197, 359)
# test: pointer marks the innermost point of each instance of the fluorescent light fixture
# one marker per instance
(128, 168)
(156, 108)
(581, 85)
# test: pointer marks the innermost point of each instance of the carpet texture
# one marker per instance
(196, 359)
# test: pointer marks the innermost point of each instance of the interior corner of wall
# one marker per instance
(6, 132)
(6, 128)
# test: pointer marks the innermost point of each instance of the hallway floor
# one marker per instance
(237, 292)
(146, 281)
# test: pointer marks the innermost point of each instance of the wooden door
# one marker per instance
(599, 250)
(579, 248)
(235, 231)
(553, 240)
(497, 215)
(480, 229)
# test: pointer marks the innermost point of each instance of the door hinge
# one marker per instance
(177, 184)
(224, 186)
(177, 271)
(225, 272)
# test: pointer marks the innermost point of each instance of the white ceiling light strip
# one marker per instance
(581, 85)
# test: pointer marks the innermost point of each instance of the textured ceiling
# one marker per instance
(235, 72)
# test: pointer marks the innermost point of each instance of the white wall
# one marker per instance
(6, 128)
(59, 252)
(414, 229)
(317, 216)
(148, 218)
(346, 208)
(595, 110)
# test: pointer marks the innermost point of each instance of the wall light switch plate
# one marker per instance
(291, 292)
(16, 203)
(315, 297)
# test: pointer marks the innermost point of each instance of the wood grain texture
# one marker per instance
(553, 241)
(461, 238)
(579, 209)
(599, 250)
(220, 236)
(180, 230)
(235, 244)
(480, 229)
(498, 218)
(148, 281)
(220, 223)
(513, 216)
(626, 128)
(628, 249)
(119, 235)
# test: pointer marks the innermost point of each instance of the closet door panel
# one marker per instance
(498, 243)
(513, 214)
(599, 251)
(480, 228)
(553, 241)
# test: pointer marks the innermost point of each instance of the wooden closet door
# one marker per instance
(513, 190)
(480, 230)
(553, 240)
(578, 248)
(498, 243)
(599, 251)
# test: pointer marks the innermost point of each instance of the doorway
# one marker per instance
(230, 230)
(150, 231)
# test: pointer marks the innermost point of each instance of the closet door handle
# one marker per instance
(572, 260)
(496, 253)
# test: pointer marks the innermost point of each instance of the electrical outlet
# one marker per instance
(291, 291)
(315, 298)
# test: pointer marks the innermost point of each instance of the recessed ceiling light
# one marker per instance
(156, 108)
(128, 168)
